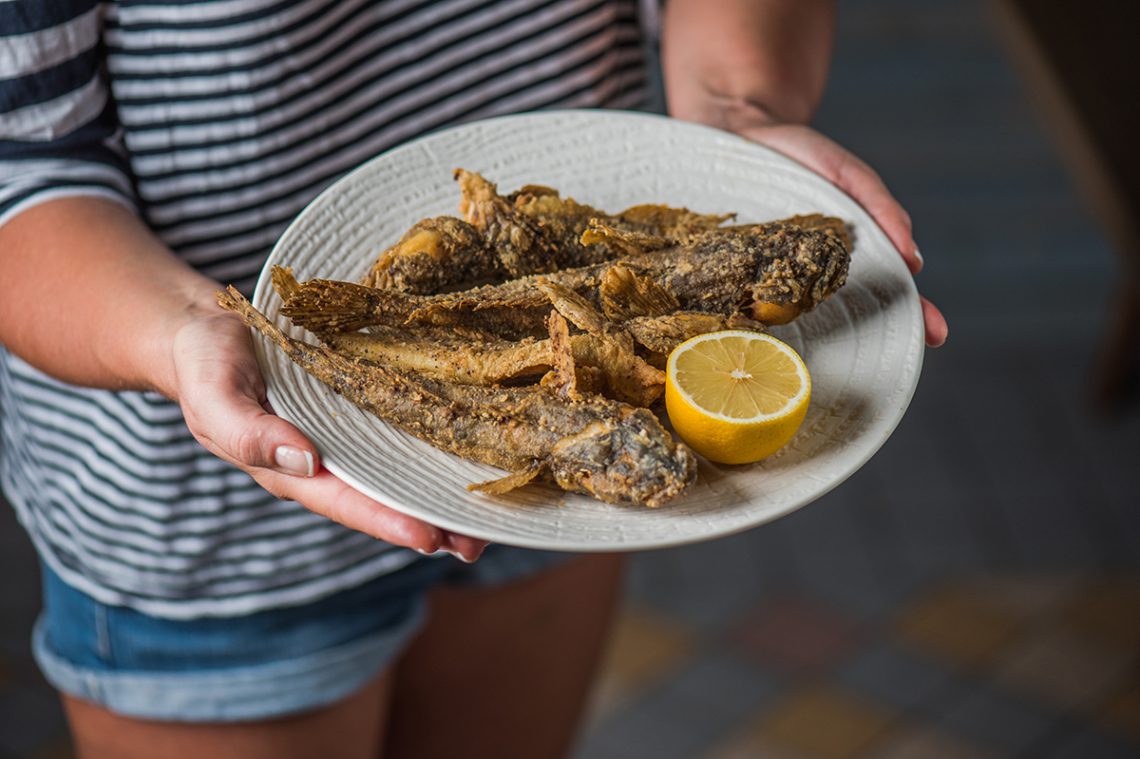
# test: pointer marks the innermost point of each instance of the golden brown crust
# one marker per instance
(594, 445)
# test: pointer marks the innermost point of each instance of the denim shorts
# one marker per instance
(264, 665)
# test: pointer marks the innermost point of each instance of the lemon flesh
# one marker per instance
(736, 397)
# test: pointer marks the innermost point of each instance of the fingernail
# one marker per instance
(292, 460)
(918, 257)
(424, 552)
(455, 551)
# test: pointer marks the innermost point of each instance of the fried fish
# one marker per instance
(613, 451)
(771, 276)
(536, 230)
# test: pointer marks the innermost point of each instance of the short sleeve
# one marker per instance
(59, 134)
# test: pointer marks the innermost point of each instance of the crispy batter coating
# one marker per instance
(611, 450)
(536, 230)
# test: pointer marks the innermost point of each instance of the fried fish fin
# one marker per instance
(284, 283)
(606, 347)
(563, 376)
(625, 294)
(512, 481)
(562, 221)
(628, 242)
(676, 223)
(528, 192)
(661, 334)
(623, 375)
(574, 307)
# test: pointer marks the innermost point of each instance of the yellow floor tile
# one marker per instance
(643, 648)
(1122, 712)
(645, 645)
(958, 624)
(752, 745)
(924, 742)
(822, 723)
(1026, 594)
(1055, 667)
(1107, 613)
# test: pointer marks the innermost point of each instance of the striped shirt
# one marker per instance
(217, 121)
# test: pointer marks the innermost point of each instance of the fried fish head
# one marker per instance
(433, 255)
(799, 270)
(630, 460)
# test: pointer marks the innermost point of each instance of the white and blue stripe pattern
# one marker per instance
(218, 121)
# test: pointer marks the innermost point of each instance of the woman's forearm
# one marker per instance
(736, 63)
(89, 295)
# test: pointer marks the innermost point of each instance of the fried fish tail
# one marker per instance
(564, 375)
(326, 305)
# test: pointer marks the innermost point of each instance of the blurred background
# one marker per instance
(974, 591)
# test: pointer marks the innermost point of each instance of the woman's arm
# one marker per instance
(736, 64)
(92, 297)
(758, 68)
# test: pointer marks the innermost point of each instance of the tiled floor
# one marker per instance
(994, 663)
(974, 591)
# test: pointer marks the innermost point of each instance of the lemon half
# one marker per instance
(734, 396)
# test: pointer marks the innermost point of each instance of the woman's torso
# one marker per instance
(233, 115)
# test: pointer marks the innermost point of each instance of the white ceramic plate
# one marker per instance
(863, 347)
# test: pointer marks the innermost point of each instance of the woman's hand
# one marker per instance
(758, 69)
(93, 298)
(219, 386)
(826, 158)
